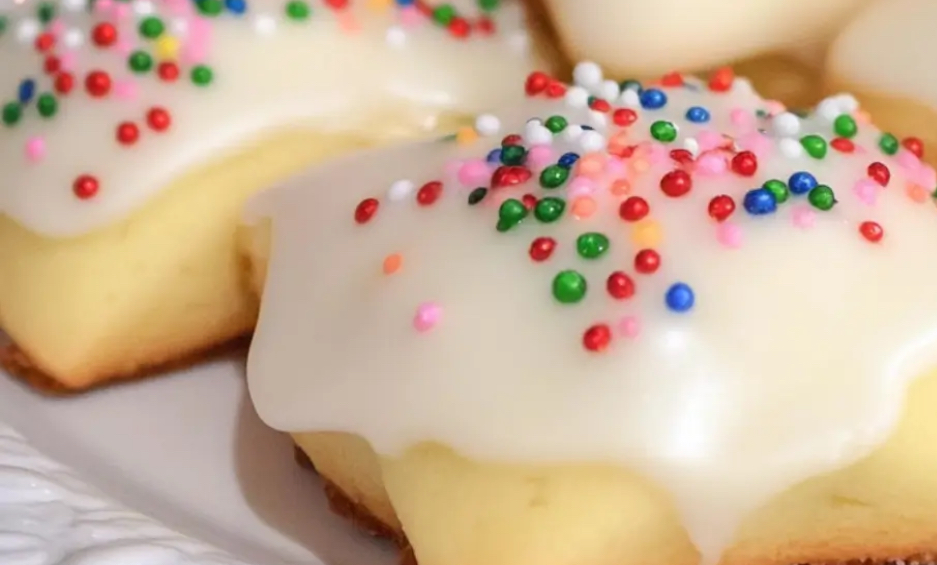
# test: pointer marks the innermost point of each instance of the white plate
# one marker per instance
(187, 454)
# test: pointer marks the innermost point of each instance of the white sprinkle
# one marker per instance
(608, 90)
(829, 109)
(27, 30)
(487, 124)
(573, 132)
(143, 8)
(786, 124)
(847, 103)
(400, 189)
(691, 145)
(179, 27)
(598, 120)
(790, 148)
(630, 98)
(536, 134)
(396, 36)
(587, 74)
(533, 121)
(577, 97)
(265, 24)
(592, 140)
(74, 5)
(73, 38)
(742, 85)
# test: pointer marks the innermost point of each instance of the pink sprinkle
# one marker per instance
(712, 164)
(757, 143)
(741, 118)
(927, 175)
(122, 11)
(473, 173)
(103, 6)
(57, 28)
(427, 316)
(708, 140)
(410, 16)
(539, 156)
(35, 149)
(629, 326)
(867, 191)
(803, 217)
(729, 235)
(908, 160)
(581, 186)
(615, 167)
(67, 60)
(126, 89)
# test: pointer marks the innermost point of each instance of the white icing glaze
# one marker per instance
(269, 73)
(886, 50)
(692, 34)
(793, 362)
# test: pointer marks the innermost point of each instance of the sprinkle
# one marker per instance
(871, 231)
(803, 217)
(779, 189)
(745, 164)
(790, 148)
(583, 207)
(624, 117)
(554, 176)
(298, 10)
(127, 133)
(646, 233)
(698, 115)
(85, 187)
(845, 126)
(676, 183)
(802, 182)
(722, 80)
(511, 213)
(592, 245)
(880, 173)
(786, 124)
(35, 149)
(400, 190)
(663, 131)
(587, 74)
(914, 145)
(487, 124)
(629, 326)
(591, 141)
(541, 248)
(158, 119)
(729, 235)
(597, 338)
(633, 209)
(647, 261)
(429, 193)
(569, 287)
(721, 207)
(760, 201)
(653, 99)
(814, 145)
(888, 143)
(822, 197)
(620, 286)
(680, 298)
(427, 316)
(620, 187)
(98, 83)
(392, 263)
(366, 210)
(577, 97)
(866, 191)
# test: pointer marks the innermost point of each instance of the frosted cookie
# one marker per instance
(663, 326)
(884, 56)
(132, 132)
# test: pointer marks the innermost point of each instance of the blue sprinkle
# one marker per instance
(697, 115)
(653, 99)
(802, 182)
(760, 201)
(680, 297)
(236, 6)
(494, 156)
(27, 90)
(587, 128)
(568, 160)
(405, 2)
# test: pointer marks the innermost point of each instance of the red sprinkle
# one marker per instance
(681, 156)
(168, 71)
(52, 65)
(676, 183)
(45, 42)
(843, 145)
(600, 105)
(647, 261)
(98, 83)
(633, 209)
(104, 34)
(671, 79)
(510, 175)
(914, 145)
(158, 119)
(485, 25)
(529, 201)
(722, 79)
(620, 286)
(871, 231)
(512, 139)
(536, 83)
(745, 163)
(429, 193)
(556, 89)
(880, 173)
(366, 209)
(597, 338)
(460, 28)
(128, 133)
(64, 83)
(721, 207)
(542, 248)
(85, 186)
(624, 117)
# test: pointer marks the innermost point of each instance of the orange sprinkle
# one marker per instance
(618, 143)
(862, 117)
(466, 136)
(646, 234)
(591, 165)
(583, 207)
(620, 187)
(348, 22)
(917, 193)
(392, 263)
(639, 165)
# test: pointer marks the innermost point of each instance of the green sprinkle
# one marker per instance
(489, 5)
(553, 176)
(779, 189)
(202, 75)
(47, 105)
(152, 27)
(556, 124)
(477, 195)
(814, 145)
(45, 12)
(822, 197)
(140, 62)
(663, 131)
(549, 209)
(513, 154)
(12, 112)
(511, 213)
(630, 84)
(845, 126)
(592, 245)
(569, 287)
(210, 7)
(888, 143)
(444, 14)
(3, 24)
(298, 10)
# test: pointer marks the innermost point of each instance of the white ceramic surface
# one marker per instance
(207, 482)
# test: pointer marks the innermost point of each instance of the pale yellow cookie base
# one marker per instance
(459, 512)
(162, 284)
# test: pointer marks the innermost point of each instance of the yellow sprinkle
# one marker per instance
(466, 135)
(646, 234)
(167, 48)
(378, 5)
(392, 263)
